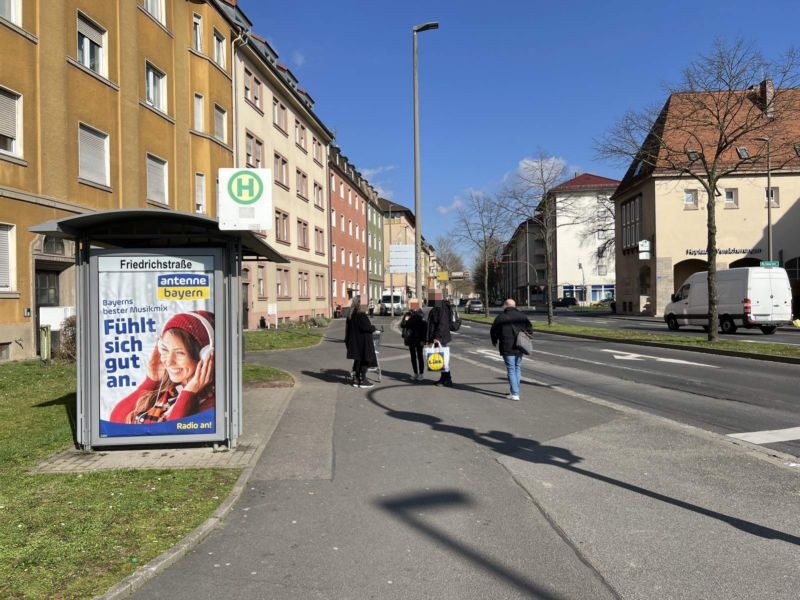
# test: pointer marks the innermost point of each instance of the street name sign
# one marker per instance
(245, 199)
(401, 258)
(770, 263)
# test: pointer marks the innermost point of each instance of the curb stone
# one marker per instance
(160, 563)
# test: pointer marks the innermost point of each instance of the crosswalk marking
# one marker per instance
(769, 437)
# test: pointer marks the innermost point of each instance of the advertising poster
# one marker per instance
(156, 329)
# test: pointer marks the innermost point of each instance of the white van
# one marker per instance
(388, 299)
(748, 297)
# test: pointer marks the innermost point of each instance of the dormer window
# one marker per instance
(693, 155)
(742, 152)
(638, 168)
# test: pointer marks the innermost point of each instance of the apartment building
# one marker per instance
(398, 228)
(375, 265)
(128, 106)
(276, 128)
(349, 197)
(659, 203)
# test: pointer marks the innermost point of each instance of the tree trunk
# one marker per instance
(711, 249)
(548, 261)
(485, 283)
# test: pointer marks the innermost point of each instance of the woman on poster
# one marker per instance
(180, 374)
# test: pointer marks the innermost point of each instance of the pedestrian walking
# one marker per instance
(415, 331)
(505, 329)
(439, 319)
(360, 345)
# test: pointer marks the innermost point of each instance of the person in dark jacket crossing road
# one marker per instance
(439, 328)
(504, 333)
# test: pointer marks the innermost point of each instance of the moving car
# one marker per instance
(474, 306)
(387, 299)
(748, 297)
(568, 301)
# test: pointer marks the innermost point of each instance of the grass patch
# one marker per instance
(280, 339)
(731, 345)
(263, 376)
(75, 535)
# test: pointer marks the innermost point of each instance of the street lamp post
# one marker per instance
(417, 200)
(769, 197)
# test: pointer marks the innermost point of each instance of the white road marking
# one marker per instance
(466, 326)
(488, 354)
(769, 437)
(621, 355)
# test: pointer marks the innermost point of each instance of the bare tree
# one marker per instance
(483, 224)
(598, 224)
(722, 101)
(450, 258)
(529, 196)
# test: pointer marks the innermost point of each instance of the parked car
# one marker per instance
(748, 297)
(474, 306)
(566, 302)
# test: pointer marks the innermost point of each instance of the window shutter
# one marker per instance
(92, 151)
(90, 31)
(156, 172)
(5, 257)
(8, 114)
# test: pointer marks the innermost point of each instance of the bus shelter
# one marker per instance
(159, 326)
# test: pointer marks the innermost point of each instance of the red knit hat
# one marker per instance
(192, 323)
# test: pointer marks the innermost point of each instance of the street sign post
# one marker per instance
(245, 199)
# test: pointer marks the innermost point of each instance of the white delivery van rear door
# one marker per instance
(781, 296)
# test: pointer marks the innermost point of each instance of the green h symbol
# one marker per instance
(242, 185)
(245, 187)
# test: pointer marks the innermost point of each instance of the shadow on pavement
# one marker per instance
(406, 509)
(530, 450)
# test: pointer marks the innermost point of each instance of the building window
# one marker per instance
(91, 41)
(199, 193)
(341, 222)
(690, 200)
(318, 200)
(282, 281)
(254, 151)
(279, 114)
(356, 230)
(155, 8)
(282, 226)
(333, 252)
(774, 196)
(358, 261)
(743, 153)
(281, 170)
(252, 89)
(316, 149)
(197, 32)
(631, 223)
(302, 184)
(261, 289)
(199, 112)
(219, 49)
(343, 257)
(333, 184)
(731, 198)
(333, 217)
(350, 256)
(53, 245)
(335, 290)
(156, 179)
(602, 269)
(155, 88)
(7, 257)
(320, 281)
(302, 285)
(300, 134)
(350, 227)
(319, 240)
(302, 235)
(10, 11)
(349, 196)
(220, 124)
(10, 120)
(92, 155)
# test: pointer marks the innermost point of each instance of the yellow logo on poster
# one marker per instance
(435, 362)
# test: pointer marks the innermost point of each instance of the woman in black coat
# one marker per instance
(360, 345)
(439, 328)
(415, 331)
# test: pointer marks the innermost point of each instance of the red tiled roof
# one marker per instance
(586, 181)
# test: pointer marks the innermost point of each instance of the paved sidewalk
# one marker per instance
(262, 407)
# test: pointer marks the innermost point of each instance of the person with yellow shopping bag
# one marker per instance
(439, 335)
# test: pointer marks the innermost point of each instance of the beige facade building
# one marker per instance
(656, 205)
(129, 106)
(398, 228)
(276, 128)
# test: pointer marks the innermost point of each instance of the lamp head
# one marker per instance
(425, 26)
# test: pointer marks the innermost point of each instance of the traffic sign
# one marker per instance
(770, 263)
(245, 199)
(443, 276)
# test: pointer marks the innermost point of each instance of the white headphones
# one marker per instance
(205, 351)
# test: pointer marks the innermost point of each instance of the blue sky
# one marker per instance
(498, 81)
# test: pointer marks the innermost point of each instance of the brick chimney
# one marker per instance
(766, 95)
